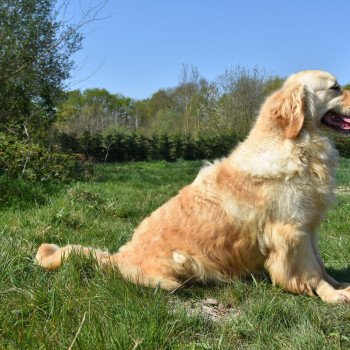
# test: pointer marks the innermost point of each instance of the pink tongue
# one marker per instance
(346, 123)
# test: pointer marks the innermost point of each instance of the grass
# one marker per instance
(80, 307)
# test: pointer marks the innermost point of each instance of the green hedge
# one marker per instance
(119, 147)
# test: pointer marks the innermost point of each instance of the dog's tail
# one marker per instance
(51, 256)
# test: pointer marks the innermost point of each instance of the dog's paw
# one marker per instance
(337, 297)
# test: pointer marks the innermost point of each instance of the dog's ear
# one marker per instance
(288, 109)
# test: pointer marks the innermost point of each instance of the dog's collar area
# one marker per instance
(337, 121)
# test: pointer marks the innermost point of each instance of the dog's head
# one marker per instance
(312, 100)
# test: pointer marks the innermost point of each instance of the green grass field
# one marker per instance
(80, 307)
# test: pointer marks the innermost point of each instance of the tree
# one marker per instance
(166, 146)
(186, 95)
(36, 47)
(94, 111)
(241, 94)
(273, 84)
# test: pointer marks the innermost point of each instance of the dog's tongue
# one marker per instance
(345, 125)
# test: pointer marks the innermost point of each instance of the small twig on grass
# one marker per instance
(19, 290)
(137, 343)
(183, 283)
(78, 331)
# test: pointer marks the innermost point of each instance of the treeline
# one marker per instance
(197, 119)
(196, 106)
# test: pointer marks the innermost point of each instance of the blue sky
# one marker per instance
(142, 45)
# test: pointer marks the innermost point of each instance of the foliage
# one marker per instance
(35, 61)
(117, 146)
(195, 107)
(94, 111)
(32, 161)
(36, 46)
(196, 119)
(272, 85)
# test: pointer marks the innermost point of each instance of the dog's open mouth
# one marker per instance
(337, 122)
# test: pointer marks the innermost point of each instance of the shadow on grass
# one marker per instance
(342, 275)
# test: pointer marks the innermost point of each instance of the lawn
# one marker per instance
(80, 307)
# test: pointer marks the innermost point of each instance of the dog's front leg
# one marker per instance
(292, 263)
(334, 283)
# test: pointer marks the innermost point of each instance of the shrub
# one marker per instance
(143, 151)
(166, 148)
(178, 146)
(154, 148)
(118, 146)
(189, 149)
(32, 161)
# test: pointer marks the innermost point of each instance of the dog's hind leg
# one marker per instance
(149, 271)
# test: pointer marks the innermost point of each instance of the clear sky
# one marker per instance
(144, 43)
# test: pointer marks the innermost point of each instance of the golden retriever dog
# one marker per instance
(258, 209)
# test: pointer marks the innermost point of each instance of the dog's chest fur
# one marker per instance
(305, 197)
(297, 179)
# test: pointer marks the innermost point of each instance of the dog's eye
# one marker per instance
(335, 87)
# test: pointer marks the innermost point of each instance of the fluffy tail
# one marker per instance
(51, 256)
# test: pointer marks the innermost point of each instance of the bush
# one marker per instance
(166, 148)
(32, 161)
